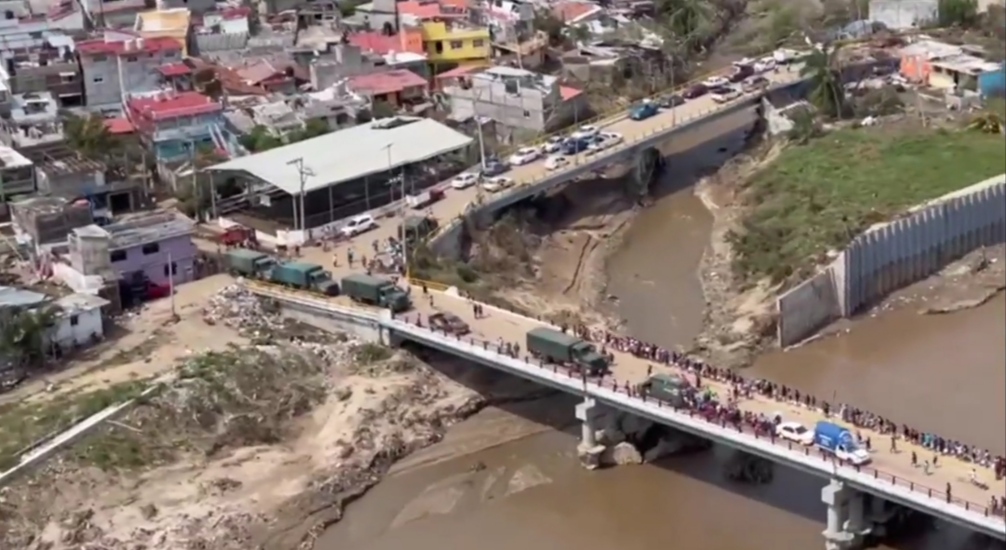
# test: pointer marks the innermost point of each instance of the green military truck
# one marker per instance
(558, 347)
(416, 228)
(375, 291)
(249, 263)
(304, 276)
(669, 388)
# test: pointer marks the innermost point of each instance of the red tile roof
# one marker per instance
(385, 82)
(174, 69)
(119, 126)
(463, 70)
(568, 93)
(377, 42)
(171, 105)
(150, 45)
(571, 11)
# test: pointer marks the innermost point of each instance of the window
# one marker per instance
(438, 46)
(151, 248)
(131, 59)
(478, 43)
(174, 269)
(457, 44)
(117, 256)
(527, 114)
(98, 80)
(73, 320)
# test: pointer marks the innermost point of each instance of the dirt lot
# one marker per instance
(141, 345)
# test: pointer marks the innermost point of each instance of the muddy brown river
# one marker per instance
(509, 479)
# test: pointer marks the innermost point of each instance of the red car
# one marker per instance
(156, 291)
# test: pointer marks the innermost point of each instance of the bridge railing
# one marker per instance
(630, 390)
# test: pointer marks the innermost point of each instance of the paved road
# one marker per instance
(501, 325)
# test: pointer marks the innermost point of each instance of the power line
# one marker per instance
(303, 172)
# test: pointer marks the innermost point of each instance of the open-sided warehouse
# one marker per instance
(343, 173)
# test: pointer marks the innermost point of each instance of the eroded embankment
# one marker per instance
(254, 447)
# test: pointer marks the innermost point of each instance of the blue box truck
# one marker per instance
(840, 442)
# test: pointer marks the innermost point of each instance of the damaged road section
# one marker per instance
(257, 446)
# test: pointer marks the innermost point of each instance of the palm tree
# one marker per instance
(825, 79)
(89, 136)
(25, 334)
(688, 18)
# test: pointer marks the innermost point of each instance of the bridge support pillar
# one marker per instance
(846, 519)
(879, 514)
(590, 452)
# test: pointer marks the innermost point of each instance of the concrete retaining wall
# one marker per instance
(368, 330)
(890, 256)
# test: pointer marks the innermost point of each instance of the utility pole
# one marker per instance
(303, 172)
(404, 243)
(171, 286)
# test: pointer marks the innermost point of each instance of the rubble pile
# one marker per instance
(235, 307)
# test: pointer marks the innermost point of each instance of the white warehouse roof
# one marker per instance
(351, 153)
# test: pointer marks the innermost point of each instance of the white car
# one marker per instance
(358, 224)
(715, 82)
(585, 132)
(524, 155)
(464, 181)
(552, 145)
(723, 97)
(613, 138)
(497, 184)
(555, 162)
(600, 143)
(796, 432)
(764, 65)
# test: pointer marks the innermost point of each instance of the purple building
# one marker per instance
(151, 246)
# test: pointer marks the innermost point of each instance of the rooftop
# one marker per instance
(68, 162)
(174, 69)
(383, 44)
(119, 126)
(385, 82)
(964, 63)
(33, 107)
(126, 47)
(10, 158)
(352, 153)
(20, 297)
(163, 20)
(930, 49)
(574, 11)
(79, 302)
(164, 106)
(148, 228)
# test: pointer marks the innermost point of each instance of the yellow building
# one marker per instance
(454, 44)
(170, 23)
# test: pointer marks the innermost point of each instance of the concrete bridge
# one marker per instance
(859, 499)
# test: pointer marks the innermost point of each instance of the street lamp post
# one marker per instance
(303, 173)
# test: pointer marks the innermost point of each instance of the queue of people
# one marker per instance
(940, 446)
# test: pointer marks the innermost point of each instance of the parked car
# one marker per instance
(552, 145)
(754, 83)
(740, 72)
(670, 101)
(586, 131)
(497, 184)
(725, 94)
(494, 168)
(574, 145)
(644, 111)
(613, 138)
(556, 162)
(796, 432)
(524, 155)
(450, 323)
(464, 181)
(598, 144)
(764, 64)
(714, 81)
(358, 224)
(695, 91)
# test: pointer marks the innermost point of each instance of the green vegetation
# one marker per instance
(260, 139)
(24, 424)
(818, 196)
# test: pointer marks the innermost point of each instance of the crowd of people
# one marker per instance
(941, 446)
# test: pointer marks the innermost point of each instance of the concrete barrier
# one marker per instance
(892, 255)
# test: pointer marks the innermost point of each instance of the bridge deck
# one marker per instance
(890, 467)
